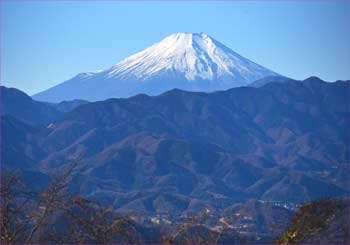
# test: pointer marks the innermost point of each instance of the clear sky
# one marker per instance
(44, 43)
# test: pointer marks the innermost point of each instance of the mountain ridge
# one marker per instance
(182, 150)
(23, 107)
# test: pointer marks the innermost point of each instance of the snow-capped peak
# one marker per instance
(188, 61)
(195, 56)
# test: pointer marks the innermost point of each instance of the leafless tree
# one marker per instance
(24, 212)
(55, 215)
(89, 222)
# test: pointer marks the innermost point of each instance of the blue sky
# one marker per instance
(44, 43)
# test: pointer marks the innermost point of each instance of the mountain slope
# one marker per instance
(66, 106)
(189, 61)
(263, 81)
(181, 151)
(21, 106)
(20, 144)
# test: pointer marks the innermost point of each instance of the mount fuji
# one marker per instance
(188, 61)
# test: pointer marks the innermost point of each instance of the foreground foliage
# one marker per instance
(56, 215)
(319, 221)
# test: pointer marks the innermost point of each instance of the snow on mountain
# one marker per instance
(188, 61)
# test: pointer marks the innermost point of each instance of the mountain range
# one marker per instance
(181, 151)
(187, 61)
